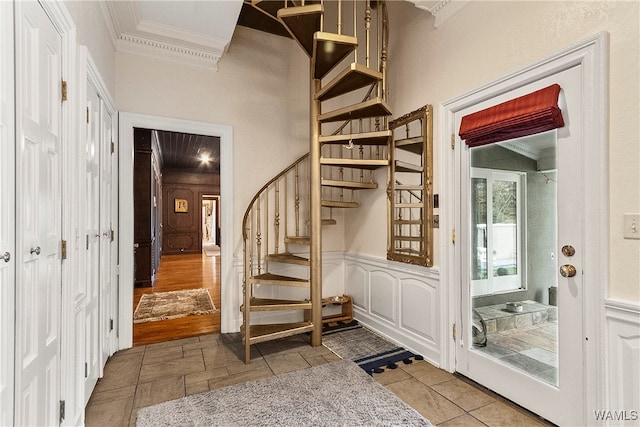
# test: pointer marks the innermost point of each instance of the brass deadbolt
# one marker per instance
(568, 250)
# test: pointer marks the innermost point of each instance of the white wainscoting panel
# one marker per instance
(623, 359)
(399, 301)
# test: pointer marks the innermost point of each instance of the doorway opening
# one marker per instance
(176, 187)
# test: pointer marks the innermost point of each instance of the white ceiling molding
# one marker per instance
(193, 32)
(441, 9)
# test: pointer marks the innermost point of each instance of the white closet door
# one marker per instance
(7, 215)
(38, 216)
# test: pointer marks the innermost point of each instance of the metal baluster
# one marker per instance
(297, 201)
(277, 219)
(367, 27)
(259, 236)
(339, 16)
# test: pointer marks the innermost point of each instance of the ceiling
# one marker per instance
(198, 32)
(187, 151)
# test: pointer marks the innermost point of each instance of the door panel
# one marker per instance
(92, 241)
(7, 216)
(38, 216)
(556, 394)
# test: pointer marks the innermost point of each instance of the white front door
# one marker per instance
(520, 214)
(92, 241)
(7, 216)
(38, 216)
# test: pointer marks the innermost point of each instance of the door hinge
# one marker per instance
(86, 369)
(113, 147)
(453, 236)
(61, 411)
(87, 239)
(63, 90)
(113, 235)
(110, 325)
(63, 250)
(453, 331)
(87, 115)
(453, 141)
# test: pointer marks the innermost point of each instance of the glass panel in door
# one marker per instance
(513, 240)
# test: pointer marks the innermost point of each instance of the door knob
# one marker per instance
(567, 270)
(6, 257)
(35, 250)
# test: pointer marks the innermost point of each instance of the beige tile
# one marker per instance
(173, 343)
(178, 367)
(209, 374)
(193, 352)
(237, 367)
(282, 346)
(113, 413)
(287, 362)
(462, 394)
(130, 354)
(465, 420)
(391, 376)
(499, 414)
(196, 388)
(210, 337)
(315, 360)
(240, 378)
(119, 374)
(162, 354)
(201, 344)
(159, 391)
(111, 395)
(219, 356)
(429, 374)
(427, 402)
(332, 357)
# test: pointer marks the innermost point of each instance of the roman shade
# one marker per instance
(526, 115)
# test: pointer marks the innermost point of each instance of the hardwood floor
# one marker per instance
(179, 272)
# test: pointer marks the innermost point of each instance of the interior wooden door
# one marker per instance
(7, 216)
(38, 216)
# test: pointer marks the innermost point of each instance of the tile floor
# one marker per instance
(155, 373)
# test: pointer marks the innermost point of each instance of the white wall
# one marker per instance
(261, 89)
(487, 40)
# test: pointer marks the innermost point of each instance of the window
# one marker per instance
(497, 228)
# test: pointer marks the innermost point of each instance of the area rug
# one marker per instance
(333, 394)
(368, 350)
(173, 305)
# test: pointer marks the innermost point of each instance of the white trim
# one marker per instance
(592, 55)
(229, 293)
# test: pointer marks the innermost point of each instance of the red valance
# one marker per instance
(529, 114)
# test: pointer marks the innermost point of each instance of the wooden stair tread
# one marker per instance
(278, 280)
(329, 221)
(329, 50)
(355, 76)
(288, 258)
(270, 304)
(401, 166)
(302, 22)
(351, 185)
(409, 187)
(367, 138)
(375, 107)
(262, 333)
(298, 240)
(408, 238)
(355, 163)
(409, 205)
(339, 204)
(414, 145)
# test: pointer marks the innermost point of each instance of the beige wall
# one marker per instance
(261, 89)
(487, 40)
(92, 32)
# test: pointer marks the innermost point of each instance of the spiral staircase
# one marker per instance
(283, 225)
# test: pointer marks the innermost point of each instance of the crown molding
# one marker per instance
(153, 48)
(441, 9)
(218, 46)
